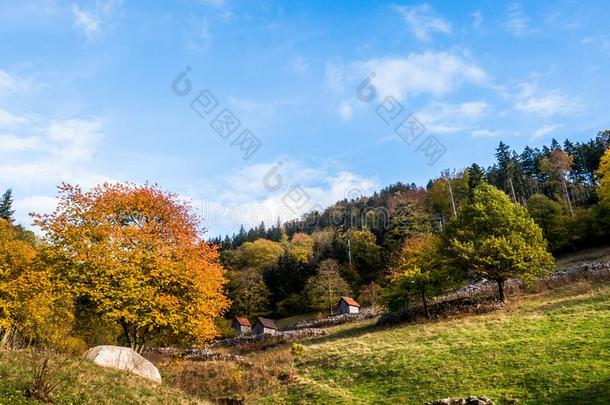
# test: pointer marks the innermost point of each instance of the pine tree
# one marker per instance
(476, 176)
(6, 205)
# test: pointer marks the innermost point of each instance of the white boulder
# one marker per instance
(123, 358)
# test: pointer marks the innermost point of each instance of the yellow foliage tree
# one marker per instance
(301, 247)
(16, 257)
(604, 177)
(32, 307)
(135, 253)
(260, 254)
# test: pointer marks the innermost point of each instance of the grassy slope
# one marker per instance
(551, 348)
(87, 384)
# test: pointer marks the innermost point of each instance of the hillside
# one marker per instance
(553, 347)
(83, 383)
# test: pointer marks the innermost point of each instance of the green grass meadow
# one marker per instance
(552, 348)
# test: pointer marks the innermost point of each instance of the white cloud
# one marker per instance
(57, 151)
(40, 204)
(443, 118)
(436, 73)
(484, 133)
(345, 111)
(336, 77)
(13, 143)
(85, 21)
(92, 22)
(75, 139)
(8, 119)
(200, 38)
(12, 84)
(545, 130)
(599, 42)
(256, 193)
(517, 22)
(423, 21)
(477, 19)
(531, 99)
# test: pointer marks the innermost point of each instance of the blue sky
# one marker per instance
(86, 94)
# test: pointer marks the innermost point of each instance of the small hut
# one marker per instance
(348, 305)
(241, 325)
(264, 325)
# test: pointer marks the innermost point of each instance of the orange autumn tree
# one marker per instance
(135, 253)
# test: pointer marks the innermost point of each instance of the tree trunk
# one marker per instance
(452, 199)
(565, 188)
(424, 301)
(501, 290)
(125, 327)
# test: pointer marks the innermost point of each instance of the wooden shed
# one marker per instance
(348, 305)
(241, 325)
(264, 325)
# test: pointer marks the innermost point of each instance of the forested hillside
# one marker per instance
(273, 270)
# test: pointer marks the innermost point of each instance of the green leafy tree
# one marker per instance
(548, 214)
(326, 287)
(400, 228)
(366, 255)
(421, 271)
(249, 294)
(498, 240)
(6, 205)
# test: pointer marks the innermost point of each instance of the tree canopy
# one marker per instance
(326, 287)
(135, 253)
(497, 239)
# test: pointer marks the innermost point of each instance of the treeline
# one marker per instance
(364, 239)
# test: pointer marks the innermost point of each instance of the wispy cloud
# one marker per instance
(9, 120)
(345, 110)
(423, 21)
(531, 99)
(477, 19)
(435, 73)
(200, 38)
(517, 22)
(56, 151)
(242, 197)
(485, 133)
(544, 131)
(444, 118)
(91, 22)
(12, 143)
(429, 73)
(597, 42)
(11, 84)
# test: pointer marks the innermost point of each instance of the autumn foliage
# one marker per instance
(33, 308)
(135, 256)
